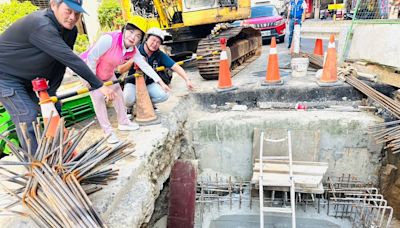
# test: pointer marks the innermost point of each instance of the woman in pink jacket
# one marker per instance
(111, 50)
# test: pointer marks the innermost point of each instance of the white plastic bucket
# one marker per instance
(299, 67)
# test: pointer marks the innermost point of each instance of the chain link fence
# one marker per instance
(370, 12)
(382, 11)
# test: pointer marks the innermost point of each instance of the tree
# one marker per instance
(11, 12)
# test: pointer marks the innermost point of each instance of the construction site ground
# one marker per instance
(129, 200)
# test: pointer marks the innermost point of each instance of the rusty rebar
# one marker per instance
(50, 188)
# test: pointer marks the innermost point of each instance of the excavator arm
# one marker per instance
(169, 14)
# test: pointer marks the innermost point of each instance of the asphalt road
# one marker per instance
(306, 45)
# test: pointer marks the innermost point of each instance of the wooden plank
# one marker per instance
(283, 179)
(318, 190)
(294, 162)
(318, 169)
(278, 179)
(297, 169)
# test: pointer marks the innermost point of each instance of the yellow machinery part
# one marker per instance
(166, 10)
(153, 22)
(211, 16)
(214, 14)
(126, 9)
(162, 17)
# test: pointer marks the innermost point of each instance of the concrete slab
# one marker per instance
(385, 40)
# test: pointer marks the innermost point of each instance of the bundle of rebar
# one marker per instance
(57, 179)
(388, 133)
(386, 102)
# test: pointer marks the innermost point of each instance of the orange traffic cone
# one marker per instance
(329, 73)
(145, 114)
(49, 111)
(318, 49)
(273, 76)
(224, 77)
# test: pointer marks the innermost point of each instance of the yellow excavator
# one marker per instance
(196, 27)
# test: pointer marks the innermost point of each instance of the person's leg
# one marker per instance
(157, 94)
(100, 109)
(17, 100)
(129, 94)
(119, 105)
(291, 28)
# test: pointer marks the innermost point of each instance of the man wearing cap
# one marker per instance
(296, 15)
(150, 49)
(40, 45)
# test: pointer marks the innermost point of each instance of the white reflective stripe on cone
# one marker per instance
(224, 56)
(47, 109)
(331, 45)
(273, 51)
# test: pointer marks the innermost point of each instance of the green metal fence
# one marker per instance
(371, 12)
(376, 11)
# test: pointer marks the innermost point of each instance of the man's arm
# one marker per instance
(182, 73)
(47, 39)
(166, 61)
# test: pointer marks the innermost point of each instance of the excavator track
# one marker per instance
(244, 46)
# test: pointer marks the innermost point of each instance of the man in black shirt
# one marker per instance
(40, 45)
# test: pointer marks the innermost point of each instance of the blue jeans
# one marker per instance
(21, 103)
(157, 94)
(291, 29)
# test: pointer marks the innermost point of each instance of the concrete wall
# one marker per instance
(223, 141)
(378, 43)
